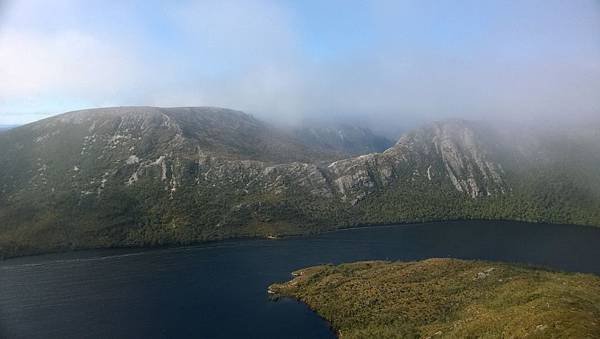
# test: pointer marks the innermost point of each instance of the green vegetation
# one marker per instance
(143, 176)
(449, 298)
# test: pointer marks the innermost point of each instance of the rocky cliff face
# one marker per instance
(89, 150)
(443, 151)
(145, 175)
(94, 148)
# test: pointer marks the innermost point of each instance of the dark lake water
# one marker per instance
(219, 290)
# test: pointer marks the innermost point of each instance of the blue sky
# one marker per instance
(290, 61)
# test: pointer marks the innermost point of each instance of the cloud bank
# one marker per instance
(385, 63)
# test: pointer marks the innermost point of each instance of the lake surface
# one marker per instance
(219, 290)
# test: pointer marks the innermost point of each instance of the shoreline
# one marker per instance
(276, 297)
(276, 237)
(303, 290)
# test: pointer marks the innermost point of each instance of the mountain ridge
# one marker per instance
(144, 176)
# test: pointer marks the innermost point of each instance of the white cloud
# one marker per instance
(63, 63)
(249, 55)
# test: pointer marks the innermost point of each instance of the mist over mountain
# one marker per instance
(144, 176)
(343, 138)
(279, 134)
(390, 64)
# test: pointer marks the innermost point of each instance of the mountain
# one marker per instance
(146, 176)
(345, 139)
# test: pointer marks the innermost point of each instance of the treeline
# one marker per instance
(146, 214)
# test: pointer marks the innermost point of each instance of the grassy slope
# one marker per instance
(449, 298)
